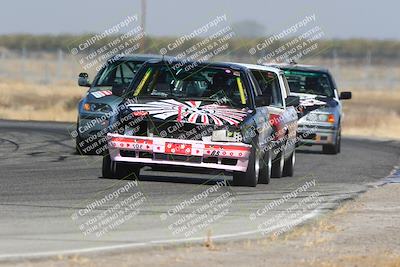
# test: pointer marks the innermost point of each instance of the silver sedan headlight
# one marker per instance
(321, 117)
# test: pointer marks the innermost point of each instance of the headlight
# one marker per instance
(321, 117)
(248, 133)
(226, 136)
(96, 107)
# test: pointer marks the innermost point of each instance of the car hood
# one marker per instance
(103, 95)
(193, 111)
(311, 102)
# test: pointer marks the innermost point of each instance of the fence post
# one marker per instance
(23, 73)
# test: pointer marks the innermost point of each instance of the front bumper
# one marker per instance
(316, 134)
(148, 151)
(92, 124)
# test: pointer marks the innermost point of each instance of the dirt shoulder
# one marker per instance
(363, 232)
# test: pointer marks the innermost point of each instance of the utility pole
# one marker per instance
(143, 26)
(367, 71)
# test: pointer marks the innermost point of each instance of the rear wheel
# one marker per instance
(288, 169)
(277, 165)
(250, 177)
(265, 168)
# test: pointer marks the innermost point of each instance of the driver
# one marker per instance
(220, 85)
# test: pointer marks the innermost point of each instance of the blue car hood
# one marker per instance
(103, 95)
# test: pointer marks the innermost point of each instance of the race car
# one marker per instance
(321, 114)
(97, 109)
(200, 116)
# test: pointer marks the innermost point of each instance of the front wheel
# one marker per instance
(106, 171)
(278, 164)
(265, 169)
(80, 149)
(335, 148)
(250, 177)
(288, 169)
(119, 170)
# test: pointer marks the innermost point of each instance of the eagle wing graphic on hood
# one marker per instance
(192, 112)
(308, 100)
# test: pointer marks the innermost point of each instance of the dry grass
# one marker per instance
(369, 113)
(376, 260)
(373, 113)
(23, 101)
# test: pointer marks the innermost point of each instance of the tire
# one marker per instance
(100, 149)
(106, 168)
(80, 150)
(329, 149)
(335, 148)
(250, 177)
(277, 165)
(288, 169)
(119, 170)
(265, 168)
(133, 172)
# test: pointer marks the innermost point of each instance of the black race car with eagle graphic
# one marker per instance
(191, 115)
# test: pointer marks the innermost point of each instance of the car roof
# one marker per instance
(300, 67)
(136, 57)
(259, 67)
(233, 65)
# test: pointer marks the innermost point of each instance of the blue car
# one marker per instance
(97, 109)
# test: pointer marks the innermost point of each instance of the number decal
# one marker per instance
(215, 153)
(137, 146)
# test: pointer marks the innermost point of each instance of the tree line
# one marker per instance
(349, 48)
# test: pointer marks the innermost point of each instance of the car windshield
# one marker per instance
(215, 84)
(309, 82)
(117, 73)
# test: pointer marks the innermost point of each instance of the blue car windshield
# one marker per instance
(309, 82)
(116, 73)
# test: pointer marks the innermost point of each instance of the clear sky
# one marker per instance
(338, 18)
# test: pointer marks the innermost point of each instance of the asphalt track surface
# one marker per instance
(45, 188)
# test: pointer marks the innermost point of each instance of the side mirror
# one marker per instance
(263, 100)
(292, 101)
(345, 95)
(119, 90)
(83, 79)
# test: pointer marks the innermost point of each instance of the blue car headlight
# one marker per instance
(96, 107)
